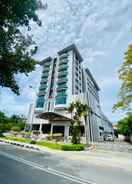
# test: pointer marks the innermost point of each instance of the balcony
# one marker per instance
(63, 61)
(47, 64)
(61, 89)
(62, 73)
(41, 93)
(45, 75)
(63, 85)
(63, 68)
(46, 70)
(65, 55)
(43, 80)
(62, 81)
(43, 86)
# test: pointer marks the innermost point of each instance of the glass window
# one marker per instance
(61, 100)
(40, 102)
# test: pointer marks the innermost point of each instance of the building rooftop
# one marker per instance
(74, 48)
(45, 60)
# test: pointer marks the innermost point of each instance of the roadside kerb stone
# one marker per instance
(25, 145)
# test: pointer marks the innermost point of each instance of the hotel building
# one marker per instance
(63, 81)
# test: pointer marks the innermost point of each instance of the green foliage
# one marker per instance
(125, 75)
(73, 147)
(77, 110)
(32, 142)
(125, 126)
(15, 123)
(15, 129)
(15, 57)
(64, 147)
(13, 138)
(26, 133)
(49, 145)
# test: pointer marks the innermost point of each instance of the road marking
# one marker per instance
(47, 170)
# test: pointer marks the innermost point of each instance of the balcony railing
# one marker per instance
(61, 81)
(41, 93)
(44, 80)
(63, 62)
(47, 64)
(45, 75)
(46, 70)
(65, 55)
(62, 73)
(43, 86)
(61, 94)
(62, 69)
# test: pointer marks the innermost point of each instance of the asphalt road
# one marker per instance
(16, 170)
(21, 166)
(13, 172)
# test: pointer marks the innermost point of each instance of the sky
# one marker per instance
(102, 32)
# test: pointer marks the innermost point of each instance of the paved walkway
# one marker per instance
(120, 146)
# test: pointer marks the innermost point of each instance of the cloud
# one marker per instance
(101, 32)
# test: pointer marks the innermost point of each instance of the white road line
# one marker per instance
(47, 170)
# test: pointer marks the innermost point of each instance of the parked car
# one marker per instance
(109, 138)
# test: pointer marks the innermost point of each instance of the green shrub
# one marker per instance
(26, 133)
(32, 142)
(72, 147)
(1, 134)
(64, 147)
(15, 128)
(49, 145)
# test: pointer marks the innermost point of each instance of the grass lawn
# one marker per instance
(57, 146)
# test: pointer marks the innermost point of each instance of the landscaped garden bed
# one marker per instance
(57, 146)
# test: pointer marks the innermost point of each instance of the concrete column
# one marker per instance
(66, 133)
(51, 131)
(40, 128)
(30, 127)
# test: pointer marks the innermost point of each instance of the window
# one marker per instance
(101, 128)
(61, 100)
(62, 93)
(40, 102)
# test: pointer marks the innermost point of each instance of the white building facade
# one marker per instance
(63, 81)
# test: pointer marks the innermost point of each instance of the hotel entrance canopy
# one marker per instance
(53, 116)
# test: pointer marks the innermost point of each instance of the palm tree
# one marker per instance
(77, 110)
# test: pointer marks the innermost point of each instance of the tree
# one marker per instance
(77, 111)
(125, 75)
(8, 123)
(125, 126)
(15, 56)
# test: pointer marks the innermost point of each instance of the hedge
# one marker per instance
(64, 147)
(72, 147)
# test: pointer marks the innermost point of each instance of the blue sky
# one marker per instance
(100, 29)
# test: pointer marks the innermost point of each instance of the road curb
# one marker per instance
(24, 145)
